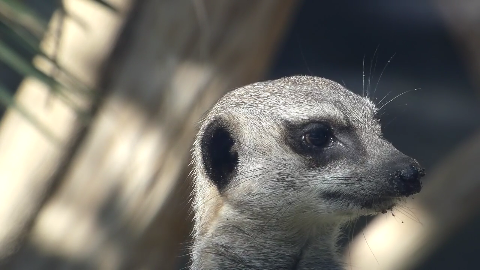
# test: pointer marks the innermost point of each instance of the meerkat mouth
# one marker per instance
(403, 182)
(369, 203)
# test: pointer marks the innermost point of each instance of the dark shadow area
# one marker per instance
(333, 38)
(37, 258)
(459, 252)
(400, 46)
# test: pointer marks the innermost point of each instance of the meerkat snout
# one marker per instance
(409, 178)
(281, 165)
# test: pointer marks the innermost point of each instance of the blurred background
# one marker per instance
(101, 102)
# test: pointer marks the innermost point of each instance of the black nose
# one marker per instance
(409, 179)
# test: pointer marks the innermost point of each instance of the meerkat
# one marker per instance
(280, 165)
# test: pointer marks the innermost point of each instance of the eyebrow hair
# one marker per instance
(333, 112)
(361, 116)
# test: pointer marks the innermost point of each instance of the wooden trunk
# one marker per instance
(112, 193)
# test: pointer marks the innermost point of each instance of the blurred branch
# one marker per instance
(8, 101)
(25, 28)
(462, 18)
(31, 167)
(106, 5)
(126, 185)
(20, 64)
(23, 38)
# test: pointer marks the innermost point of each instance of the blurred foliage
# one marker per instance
(22, 28)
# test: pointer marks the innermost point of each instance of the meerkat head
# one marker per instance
(302, 147)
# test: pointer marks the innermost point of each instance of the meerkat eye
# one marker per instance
(318, 135)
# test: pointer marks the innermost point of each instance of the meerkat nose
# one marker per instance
(410, 179)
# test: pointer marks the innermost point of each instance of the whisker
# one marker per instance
(395, 217)
(380, 102)
(303, 57)
(375, 63)
(363, 76)
(397, 96)
(369, 245)
(342, 177)
(409, 213)
(370, 72)
(381, 73)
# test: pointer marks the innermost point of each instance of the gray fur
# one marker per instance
(281, 209)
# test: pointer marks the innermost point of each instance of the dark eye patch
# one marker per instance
(317, 135)
(313, 140)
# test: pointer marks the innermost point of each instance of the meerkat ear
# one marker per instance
(219, 154)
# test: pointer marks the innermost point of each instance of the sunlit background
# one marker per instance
(101, 101)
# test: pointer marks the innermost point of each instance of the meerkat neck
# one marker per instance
(258, 243)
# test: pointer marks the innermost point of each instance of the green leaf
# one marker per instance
(21, 65)
(25, 28)
(29, 43)
(11, 58)
(19, 36)
(20, 14)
